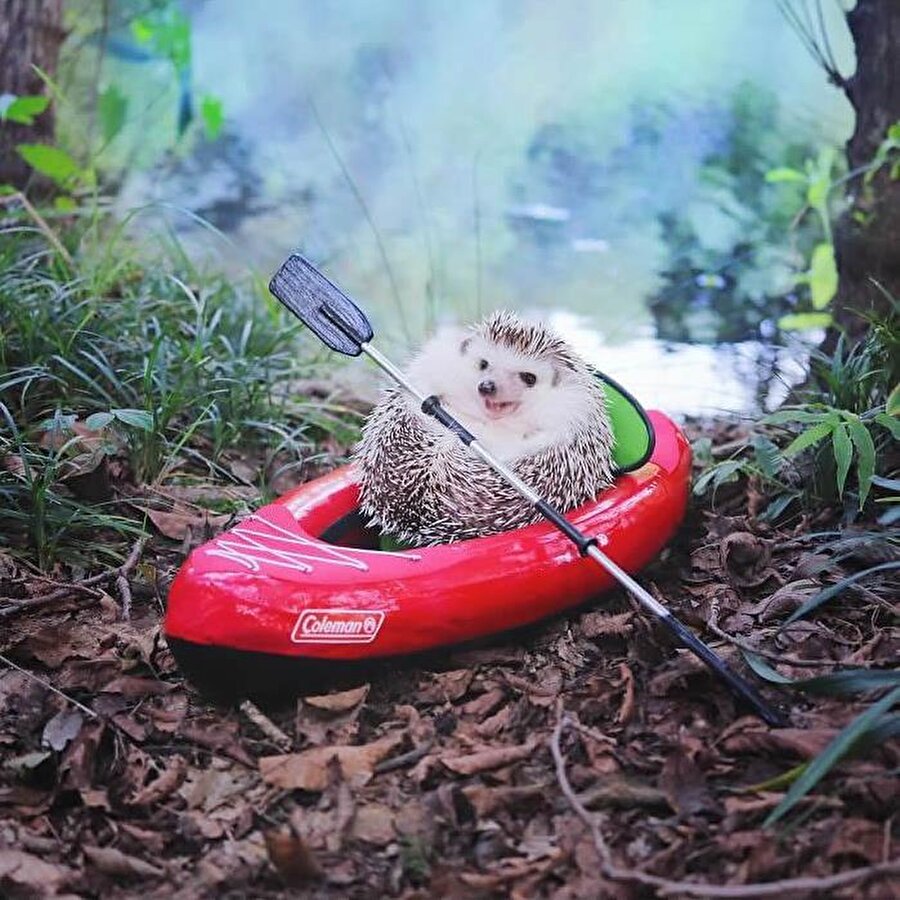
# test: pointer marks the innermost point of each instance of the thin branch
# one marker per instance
(86, 585)
(266, 725)
(668, 887)
(46, 684)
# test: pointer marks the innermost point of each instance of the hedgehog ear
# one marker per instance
(464, 345)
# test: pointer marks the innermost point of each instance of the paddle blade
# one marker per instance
(322, 306)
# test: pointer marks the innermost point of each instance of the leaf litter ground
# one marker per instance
(583, 757)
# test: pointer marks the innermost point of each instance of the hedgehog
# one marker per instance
(525, 395)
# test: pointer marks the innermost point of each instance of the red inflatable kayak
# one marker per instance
(300, 579)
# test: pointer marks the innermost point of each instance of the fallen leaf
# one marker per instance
(95, 799)
(598, 624)
(374, 824)
(684, 785)
(307, 770)
(626, 709)
(803, 743)
(493, 725)
(341, 701)
(136, 688)
(26, 871)
(114, 862)
(20, 766)
(487, 800)
(484, 704)
(79, 757)
(182, 520)
(785, 600)
(291, 858)
(209, 788)
(485, 760)
(446, 687)
(746, 559)
(168, 782)
(857, 839)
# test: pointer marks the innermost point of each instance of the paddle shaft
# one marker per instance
(587, 546)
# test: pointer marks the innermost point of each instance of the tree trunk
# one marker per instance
(30, 35)
(871, 248)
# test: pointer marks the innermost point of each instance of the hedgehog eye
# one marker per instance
(529, 378)
(483, 364)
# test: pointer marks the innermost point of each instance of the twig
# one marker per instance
(124, 571)
(85, 709)
(120, 574)
(404, 759)
(41, 223)
(667, 887)
(713, 624)
(265, 725)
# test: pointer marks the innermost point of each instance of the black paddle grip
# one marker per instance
(431, 406)
(552, 514)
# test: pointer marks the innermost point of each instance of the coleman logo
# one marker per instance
(337, 626)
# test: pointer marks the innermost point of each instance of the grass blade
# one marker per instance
(832, 754)
(833, 590)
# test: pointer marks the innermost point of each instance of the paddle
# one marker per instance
(327, 311)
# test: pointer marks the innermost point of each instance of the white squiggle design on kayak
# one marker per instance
(254, 549)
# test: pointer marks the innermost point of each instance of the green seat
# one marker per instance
(632, 429)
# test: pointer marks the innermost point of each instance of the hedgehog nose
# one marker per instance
(487, 387)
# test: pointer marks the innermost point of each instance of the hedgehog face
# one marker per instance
(499, 383)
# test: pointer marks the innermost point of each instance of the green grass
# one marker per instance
(174, 370)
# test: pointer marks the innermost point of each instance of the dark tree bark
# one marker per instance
(871, 250)
(30, 35)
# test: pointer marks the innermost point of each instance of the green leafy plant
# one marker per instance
(817, 182)
(176, 372)
(22, 110)
(819, 196)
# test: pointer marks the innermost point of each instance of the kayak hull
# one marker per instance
(295, 580)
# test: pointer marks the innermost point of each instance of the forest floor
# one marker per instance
(583, 757)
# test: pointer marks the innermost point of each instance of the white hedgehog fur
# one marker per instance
(418, 481)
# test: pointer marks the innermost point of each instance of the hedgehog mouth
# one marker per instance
(496, 409)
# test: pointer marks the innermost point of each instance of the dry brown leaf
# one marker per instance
(62, 729)
(307, 770)
(493, 725)
(210, 788)
(218, 736)
(181, 519)
(114, 862)
(487, 800)
(169, 781)
(684, 785)
(492, 758)
(484, 704)
(374, 824)
(446, 687)
(785, 600)
(598, 624)
(341, 701)
(859, 840)
(291, 858)
(31, 873)
(136, 688)
(803, 743)
(626, 709)
(746, 559)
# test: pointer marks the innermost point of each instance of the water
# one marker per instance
(442, 160)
